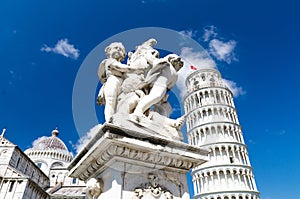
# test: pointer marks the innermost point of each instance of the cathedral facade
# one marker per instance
(38, 173)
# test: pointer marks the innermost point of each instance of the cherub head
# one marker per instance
(116, 50)
(176, 61)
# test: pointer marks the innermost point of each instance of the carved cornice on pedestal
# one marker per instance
(111, 144)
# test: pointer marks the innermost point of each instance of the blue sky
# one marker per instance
(260, 54)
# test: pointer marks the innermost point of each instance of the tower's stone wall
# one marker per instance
(212, 123)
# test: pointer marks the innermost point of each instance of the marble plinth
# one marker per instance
(130, 164)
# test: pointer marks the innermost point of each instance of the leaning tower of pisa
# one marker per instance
(212, 123)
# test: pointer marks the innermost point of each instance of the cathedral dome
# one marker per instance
(50, 143)
(49, 152)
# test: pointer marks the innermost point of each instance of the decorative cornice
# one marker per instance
(220, 123)
(222, 167)
(225, 143)
(208, 86)
(212, 105)
(129, 147)
(235, 193)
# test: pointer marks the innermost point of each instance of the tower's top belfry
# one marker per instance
(203, 78)
(208, 99)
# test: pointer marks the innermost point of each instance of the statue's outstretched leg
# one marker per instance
(155, 95)
(178, 122)
(111, 92)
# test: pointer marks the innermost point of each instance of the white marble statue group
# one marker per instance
(138, 89)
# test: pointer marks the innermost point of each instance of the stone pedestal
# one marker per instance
(130, 165)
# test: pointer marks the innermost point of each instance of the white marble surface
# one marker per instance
(131, 89)
(124, 159)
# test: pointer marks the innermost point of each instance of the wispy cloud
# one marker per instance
(182, 75)
(188, 33)
(201, 60)
(14, 76)
(153, 1)
(62, 47)
(192, 58)
(36, 142)
(215, 45)
(235, 89)
(209, 32)
(216, 49)
(86, 138)
(282, 132)
(276, 132)
(223, 51)
(251, 141)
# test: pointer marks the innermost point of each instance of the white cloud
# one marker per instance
(182, 75)
(209, 32)
(282, 132)
(153, 1)
(197, 59)
(236, 90)
(62, 47)
(86, 138)
(188, 33)
(251, 141)
(37, 141)
(223, 51)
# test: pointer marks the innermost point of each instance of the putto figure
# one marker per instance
(110, 73)
(135, 94)
(161, 78)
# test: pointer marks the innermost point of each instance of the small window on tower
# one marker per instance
(231, 159)
(39, 164)
(74, 181)
(203, 77)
